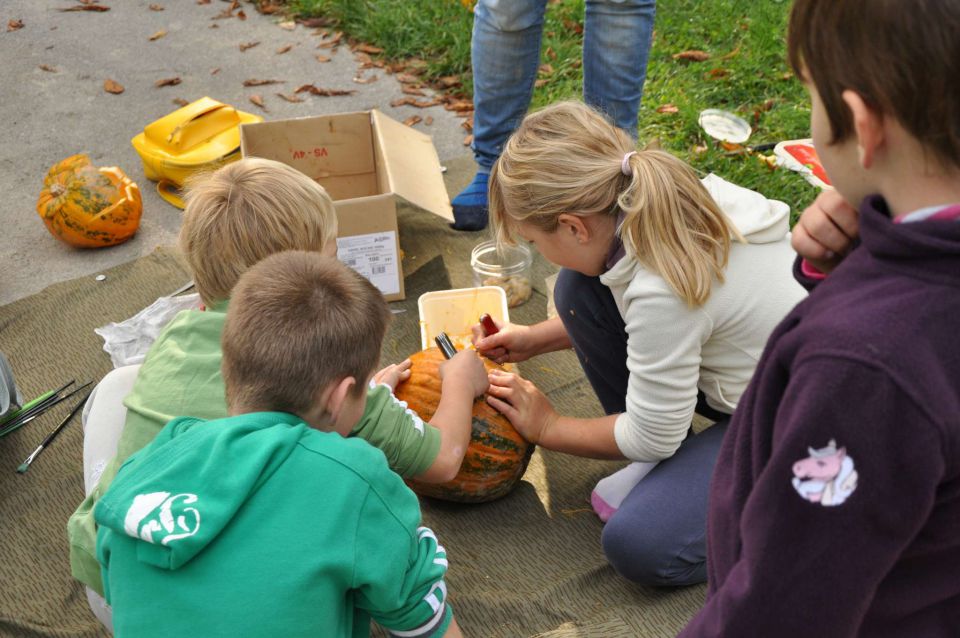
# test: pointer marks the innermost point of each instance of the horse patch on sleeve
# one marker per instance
(827, 476)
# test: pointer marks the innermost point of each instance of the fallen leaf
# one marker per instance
(253, 82)
(551, 53)
(468, 140)
(314, 23)
(407, 78)
(411, 90)
(413, 119)
(667, 108)
(214, 70)
(367, 48)
(87, 7)
(258, 100)
(156, 7)
(214, 26)
(467, 124)
(428, 120)
(167, 82)
(332, 42)
(203, 1)
(364, 59)
(179, 101)
(112, 87)
(248, 45)
(768, 104)
(732, 54)
(545, 69)
(540, 82)
(460, 106)
(449, 81)
(699, 149)
(48, 68)
(268, 9)
(228, 12)
(284, 49)
(14, 25)
(159, 34)
(290, 98)
(574, 26)
(324, 92)
(787, 76)
(420, 104)
(718, 73)
(323, 58)
(289, 25)
(242, 16)
(692, 55)
(576, 64)
(359, 79)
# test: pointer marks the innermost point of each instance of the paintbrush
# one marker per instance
(40, 409)
(53, 434)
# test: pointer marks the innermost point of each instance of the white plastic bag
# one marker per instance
(127, 342)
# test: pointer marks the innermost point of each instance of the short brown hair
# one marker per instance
(298, 321)
(248, 210)
(902, 58)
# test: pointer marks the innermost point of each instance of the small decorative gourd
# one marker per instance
(89, 207)
(497, 455)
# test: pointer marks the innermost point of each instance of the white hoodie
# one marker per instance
(674, 350)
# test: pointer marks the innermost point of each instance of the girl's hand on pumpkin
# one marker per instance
(394, 374)
(527, 408)
(465, 369)
(512, 343)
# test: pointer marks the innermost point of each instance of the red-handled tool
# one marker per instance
(489, 327)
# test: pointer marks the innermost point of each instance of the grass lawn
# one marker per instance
(746, 73)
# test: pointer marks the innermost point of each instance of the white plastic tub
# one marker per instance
(454, 311)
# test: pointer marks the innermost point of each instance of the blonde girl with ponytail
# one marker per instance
(668, 289)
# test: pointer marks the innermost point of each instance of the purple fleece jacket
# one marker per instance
(835, 503)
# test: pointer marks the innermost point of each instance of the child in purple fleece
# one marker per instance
(835, 503)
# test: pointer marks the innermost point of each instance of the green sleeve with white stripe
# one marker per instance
(410, 444)
(399, 566)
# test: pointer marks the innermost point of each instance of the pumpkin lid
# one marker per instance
(199, 133)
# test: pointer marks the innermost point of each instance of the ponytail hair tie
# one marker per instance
(625, 164)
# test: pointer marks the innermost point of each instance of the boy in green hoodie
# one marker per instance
(245, 211)
(271, 522)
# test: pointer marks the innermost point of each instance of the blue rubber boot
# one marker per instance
(470, 206)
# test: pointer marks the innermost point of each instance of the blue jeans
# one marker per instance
(506, 56)
(658, 534)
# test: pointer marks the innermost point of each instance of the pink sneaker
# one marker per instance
(600, 506)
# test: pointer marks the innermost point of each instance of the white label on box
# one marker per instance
(375, 257)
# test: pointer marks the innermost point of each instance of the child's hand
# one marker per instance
(466, 369)
(392, 375)
(826, 231)
(523, 403)
(512, 343)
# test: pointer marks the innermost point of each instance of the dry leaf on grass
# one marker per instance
(112, 87)
(313, 90)
(407, 78)
(428, 120)
(48, 68)
(551, 53)
(449, 81)
(168, 82)
(156, 7)
(323, 58)
(460, 106)
(87, 7)
(367, 48)
(214, 70)
(468, 140)
(248, 45)
(412, 90)
(540, 82)
(718, 73)
(14, 25)
(545, 69)
(413, 119)
(285, 48)
(258, 100)
(692, 56)
(254, 82)
(314, 23)
(290, 98)
(667, 108)
(159, 34)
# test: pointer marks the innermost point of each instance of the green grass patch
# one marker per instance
(746, 73)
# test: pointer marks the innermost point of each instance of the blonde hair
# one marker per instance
(567, 158)
(244, 212)
(297, 322)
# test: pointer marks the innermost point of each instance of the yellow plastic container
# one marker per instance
(454, 311)
(200, 136)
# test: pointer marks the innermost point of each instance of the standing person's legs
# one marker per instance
(598, 334)
(505, 53)
(616, 45)
(658, 536)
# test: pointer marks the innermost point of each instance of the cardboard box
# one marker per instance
(364, 160)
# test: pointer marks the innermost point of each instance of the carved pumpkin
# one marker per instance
(89, 207)
(497, 455)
